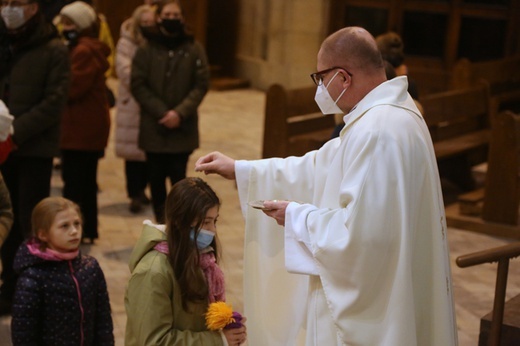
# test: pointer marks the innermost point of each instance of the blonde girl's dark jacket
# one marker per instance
(153, 301)
(60, 302)
(166, 77)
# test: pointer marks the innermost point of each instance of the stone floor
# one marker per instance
(232, 122)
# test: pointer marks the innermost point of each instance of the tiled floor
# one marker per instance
(232, 122)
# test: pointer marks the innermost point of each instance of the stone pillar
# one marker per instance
(279, 40)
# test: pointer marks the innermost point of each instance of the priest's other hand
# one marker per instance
(218, 163)
(276, 210)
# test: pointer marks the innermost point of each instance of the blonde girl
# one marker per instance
(61, 296)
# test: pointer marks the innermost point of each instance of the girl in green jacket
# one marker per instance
(175, 274)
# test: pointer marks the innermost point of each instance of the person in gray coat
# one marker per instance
(169, 79)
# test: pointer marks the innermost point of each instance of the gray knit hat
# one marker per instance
(82, 14)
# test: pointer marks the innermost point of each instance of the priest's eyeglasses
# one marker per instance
(317, 77)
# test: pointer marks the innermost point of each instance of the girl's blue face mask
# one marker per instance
(204, 238)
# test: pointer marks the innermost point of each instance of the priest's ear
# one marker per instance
(346, 78)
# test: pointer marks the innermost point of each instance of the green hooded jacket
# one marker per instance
(153, 301)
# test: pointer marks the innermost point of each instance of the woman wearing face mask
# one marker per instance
(127, 108)
(170, 77)
(175, 273)
(85, 124)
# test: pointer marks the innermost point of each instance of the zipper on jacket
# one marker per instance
(78, 291)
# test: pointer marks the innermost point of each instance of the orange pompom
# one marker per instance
(219, 315)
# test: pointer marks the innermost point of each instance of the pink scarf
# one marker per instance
(49, 254)
(212, 272)
(214, 277)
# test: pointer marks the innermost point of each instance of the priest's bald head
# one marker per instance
(351, 66)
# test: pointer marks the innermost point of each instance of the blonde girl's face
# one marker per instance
(65, 232)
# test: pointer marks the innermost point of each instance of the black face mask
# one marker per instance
(147, 31)
(71, 36)
(173, 26)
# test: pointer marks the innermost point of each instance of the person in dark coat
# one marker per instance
(169, 79)
(61, 296)
(34, 80)
(86, 121)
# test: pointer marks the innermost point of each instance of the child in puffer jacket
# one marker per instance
(61, 296)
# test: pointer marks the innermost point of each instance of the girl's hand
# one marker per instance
(236, 336)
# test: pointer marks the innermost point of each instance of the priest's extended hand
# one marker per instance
(218, 163)
(276, 210)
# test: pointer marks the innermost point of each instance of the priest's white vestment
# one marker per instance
(363, 258)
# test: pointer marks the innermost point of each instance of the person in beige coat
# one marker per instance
(127, 108)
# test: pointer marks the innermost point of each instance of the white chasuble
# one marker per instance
(363, 258)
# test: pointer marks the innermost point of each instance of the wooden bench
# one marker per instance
(502, 325)
(459, 124)
(502, 77)
(429, 79)
(494, 209)
(293, 122)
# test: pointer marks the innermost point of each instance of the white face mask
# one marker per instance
(325, 102)
(13, 17)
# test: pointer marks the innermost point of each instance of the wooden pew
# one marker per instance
(293, 122)
(459, 124)
(494, 210)
(502, 77)
(430, 79)
(502, 325)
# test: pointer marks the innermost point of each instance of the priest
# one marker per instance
(350, 247)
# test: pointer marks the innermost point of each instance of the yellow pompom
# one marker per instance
(219, 315)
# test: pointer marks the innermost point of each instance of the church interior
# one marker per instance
(456, 51)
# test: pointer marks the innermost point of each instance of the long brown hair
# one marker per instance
(187, 204)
